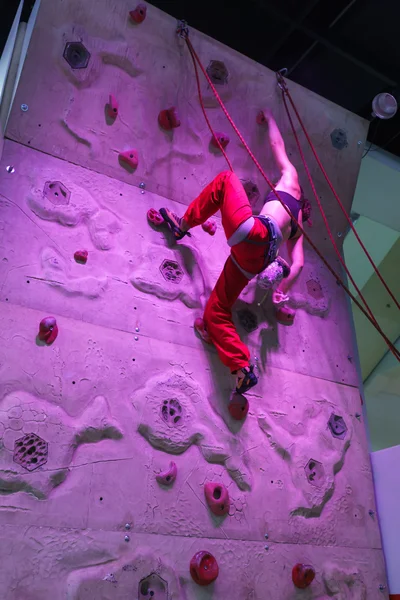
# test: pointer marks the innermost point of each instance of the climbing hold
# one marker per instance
(112, 107)
(220, 137)
(129, 157)
(169, 119)
(238, 406)
(209, 227)
(302, 575)
(217, 498)
(154, 217)
(203, 568)
(81, 256)
(139, 14)
(285, 315)
(168, 477)
(261, 120)
(200, 328)
(48, 330)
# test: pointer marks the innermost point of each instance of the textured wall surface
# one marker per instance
(87, 423)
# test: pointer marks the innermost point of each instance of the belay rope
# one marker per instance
(183, 32)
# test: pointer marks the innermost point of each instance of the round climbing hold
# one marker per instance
(48, 330)
(220, 139)
(302, 575)
(139, 14)
(154, 217)
(81, 256)
(217, 498)
(238, 406)
(285, 315)
(129, 158)
(168, 119)
(203, 568)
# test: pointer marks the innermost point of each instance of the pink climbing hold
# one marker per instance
(48, 330)
(285, 315)
(154, 217)
(238, 406)
(261, 120)
(169, 119)
(129, 157)
(209, 227)
(204, 568)
(217, 498)
(139, 14)
(220, 137)
(302, 575)
(112, 107)
(168, 477)
(81, 256)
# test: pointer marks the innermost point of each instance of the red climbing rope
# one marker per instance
(285, 90)
(310, 179)
(195, 58)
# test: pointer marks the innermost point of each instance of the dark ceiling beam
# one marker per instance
(290, 29)
(325, 40)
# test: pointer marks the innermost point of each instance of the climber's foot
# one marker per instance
(285, 266)
(201, 330)
(245, 379)
(174, 223)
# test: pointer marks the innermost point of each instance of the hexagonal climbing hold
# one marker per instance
(76, 55)
(339, 139)
(171, 412)
(171, 271)
(252, 191)
(56, 192)
(315, 472)
(247, 319)
(30, 451)
(314, 289)
(153, 587)
(217, 72)
(337, 426)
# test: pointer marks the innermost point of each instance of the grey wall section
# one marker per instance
(87, 518)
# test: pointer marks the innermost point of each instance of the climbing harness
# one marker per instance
(283, 86)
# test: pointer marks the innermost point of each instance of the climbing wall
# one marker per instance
(120, 456)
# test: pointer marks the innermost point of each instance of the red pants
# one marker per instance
(226, 193)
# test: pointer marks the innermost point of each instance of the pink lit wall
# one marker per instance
(90, 422)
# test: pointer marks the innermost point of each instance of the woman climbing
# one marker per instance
(254, 243)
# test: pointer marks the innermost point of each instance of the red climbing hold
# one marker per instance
(168, 477)
(285, 315)
(129, 157)
(81, 256)
(154, 217)
(139, 14)
(48, 330)
(203, 568)
(169, 119)
(217, 498)
(209, 227)
(302, 575)
(222, 138)
(200, 328)
(238, 406)
(261, 120)
(112, 107)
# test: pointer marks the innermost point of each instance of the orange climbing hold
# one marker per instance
(48, 330)
(130, 158)
(302, 575)
(203, 568)
(139, 14)
(112, 107)
(217, 498)
(169, 119)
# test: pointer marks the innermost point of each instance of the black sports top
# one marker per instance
(293, 205)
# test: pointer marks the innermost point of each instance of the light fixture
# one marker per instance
(384, 106)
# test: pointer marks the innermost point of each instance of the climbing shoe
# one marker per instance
(245, 379)
(174, 223)
(285, 266)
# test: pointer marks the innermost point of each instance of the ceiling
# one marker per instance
(345, 50)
